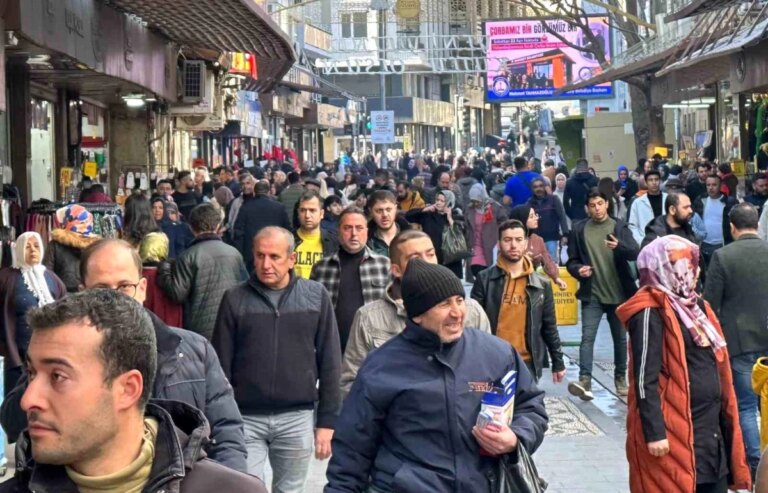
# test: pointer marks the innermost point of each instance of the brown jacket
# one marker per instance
(412, 201)
(676, 471)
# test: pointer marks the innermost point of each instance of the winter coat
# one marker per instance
(465, 185)
(578, 257)
(179, 235)
(379, 246)
(490, 229)
(760, 387)
(380, 321)
(180, 463)
(553, 223)
(289, 198)
(575, 196)
(257, 213)
(541, 334)
(274, 355)
(737, 289)
(659, 228)
(641, 215)
(188, 371)
(412, 201)
(199, 279)
(158, 302)
(676, 472)
(9, 348)
(408, 426)
(434, 225)
(62, 256)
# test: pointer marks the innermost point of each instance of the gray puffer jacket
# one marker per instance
(199, 278)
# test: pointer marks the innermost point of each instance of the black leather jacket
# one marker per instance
(541, 327)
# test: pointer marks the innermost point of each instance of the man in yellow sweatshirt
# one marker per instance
(519, 303)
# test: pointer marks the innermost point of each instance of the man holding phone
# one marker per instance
(600, 249)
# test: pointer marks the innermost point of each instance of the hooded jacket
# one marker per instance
(180, 463)
(62, 256)
(575, 196)
(676, 472)
(541, 332)
(199, 278)
(760, 386)
(411, 431)
(188, 371)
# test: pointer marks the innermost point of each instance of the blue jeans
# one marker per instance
(591, 314)
(741, 366)
(552, 249)
(287, 439)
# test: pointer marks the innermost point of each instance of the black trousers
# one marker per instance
(476, 269)
(719, 487)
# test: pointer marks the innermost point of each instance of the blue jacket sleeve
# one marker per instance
(355, 444)
(227, 436)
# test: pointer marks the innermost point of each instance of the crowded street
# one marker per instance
(384, 246)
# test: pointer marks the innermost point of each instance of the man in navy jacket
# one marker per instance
(410, 427)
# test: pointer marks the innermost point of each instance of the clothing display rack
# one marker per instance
(41, 217)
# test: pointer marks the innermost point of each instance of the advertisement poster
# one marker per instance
(527, 62)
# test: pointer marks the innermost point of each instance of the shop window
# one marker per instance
(354, 25)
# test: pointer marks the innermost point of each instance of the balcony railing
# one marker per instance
(317, 37)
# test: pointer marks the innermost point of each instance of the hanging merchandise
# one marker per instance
(144, 182)
(91, 169)
(130, 181)
(41, 217)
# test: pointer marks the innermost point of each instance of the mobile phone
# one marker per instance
(608, 237)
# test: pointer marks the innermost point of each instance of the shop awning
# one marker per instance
(697, 7)
(224, 25)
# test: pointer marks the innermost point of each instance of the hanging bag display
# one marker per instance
(454, 245)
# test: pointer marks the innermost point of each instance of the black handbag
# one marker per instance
(518, 477)
(454, 245)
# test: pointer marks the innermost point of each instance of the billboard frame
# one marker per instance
(558, 97)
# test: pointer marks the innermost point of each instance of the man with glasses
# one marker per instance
(188, 369)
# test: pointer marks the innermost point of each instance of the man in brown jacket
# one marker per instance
(92, 362)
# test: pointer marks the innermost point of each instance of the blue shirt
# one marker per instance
(518, 187)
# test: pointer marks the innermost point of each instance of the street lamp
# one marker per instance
(382, 6)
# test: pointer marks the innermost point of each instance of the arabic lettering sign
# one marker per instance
(527, 62)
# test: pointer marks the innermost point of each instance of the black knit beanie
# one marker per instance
(425, 285)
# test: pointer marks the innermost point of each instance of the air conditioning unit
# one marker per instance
(204, 106)
(193, 77)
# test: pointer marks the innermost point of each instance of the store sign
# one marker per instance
(408, 9)
(331, 116)
(243, 64)
(383, 127)
(525, 61)
(251, 125)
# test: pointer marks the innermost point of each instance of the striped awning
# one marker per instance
(224, 25)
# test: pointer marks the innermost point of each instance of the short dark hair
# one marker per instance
(744, 216)
(703, 165)
(167, 180)
(129, 341)
(548, 163)
(595, 193)
(308, 195)
(226, 169)
(293, 178)
(652, 172)
(725, 168)
(520, 163)
(88, 252)
(204, 218)
(759, 176)
(330, 200)
(512, 224)
(673, 200)
(405, 184)
(403, 237)
(350, 210)
(539, 178)
(183, 174)
(381, 196)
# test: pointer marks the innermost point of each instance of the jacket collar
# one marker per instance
(748, 236)
(206, 237)
(425, 339)
(167, 340)
(534, 281)
(367, 253)
(260, 288)
(181, 435)
(394, 288)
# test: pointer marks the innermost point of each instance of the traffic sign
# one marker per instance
(383, 127)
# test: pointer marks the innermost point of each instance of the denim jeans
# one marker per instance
(287, 439)
(591, 314)
(741, 366)
(552, 249)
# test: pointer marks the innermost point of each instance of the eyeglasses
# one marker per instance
(126, 288)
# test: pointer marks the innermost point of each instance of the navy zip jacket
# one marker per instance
(407, 422)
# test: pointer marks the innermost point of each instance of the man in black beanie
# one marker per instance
(410, 427)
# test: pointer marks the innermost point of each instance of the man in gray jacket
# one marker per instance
(737, 288)
(377, 322)
(203, 273)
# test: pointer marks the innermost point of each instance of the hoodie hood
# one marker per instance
(527, 266)
(478, 192)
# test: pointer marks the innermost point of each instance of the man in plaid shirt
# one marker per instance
(354, 271)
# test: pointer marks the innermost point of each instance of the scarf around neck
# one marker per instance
(32, 275)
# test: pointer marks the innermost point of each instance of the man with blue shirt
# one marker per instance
(518, 188)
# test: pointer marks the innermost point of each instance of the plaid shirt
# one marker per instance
(374, 275)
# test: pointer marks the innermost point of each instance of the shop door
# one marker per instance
(42, 169)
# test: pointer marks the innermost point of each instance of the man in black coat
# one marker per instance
(676, 221)
(576, 190)
(259, 212)
(93, 358)
(188, 368)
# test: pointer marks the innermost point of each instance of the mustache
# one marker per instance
(33, 418)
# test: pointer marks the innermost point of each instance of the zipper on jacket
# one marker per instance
(529, 336)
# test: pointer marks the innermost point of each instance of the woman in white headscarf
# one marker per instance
(26, 285)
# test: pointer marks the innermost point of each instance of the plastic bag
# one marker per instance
(454, 245)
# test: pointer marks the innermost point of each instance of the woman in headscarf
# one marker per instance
(537, 249)
(481, 223)
(626, 186)
(179, 233)
(154, 249)
(75, 235)
(26, 285)
(683, 432)
(434, 219)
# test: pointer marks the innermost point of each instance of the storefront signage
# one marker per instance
(408, 9)
(243, 64)
(331, 116)
(431, 112)
(251, 125)
(383, 127)
(526, 61)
